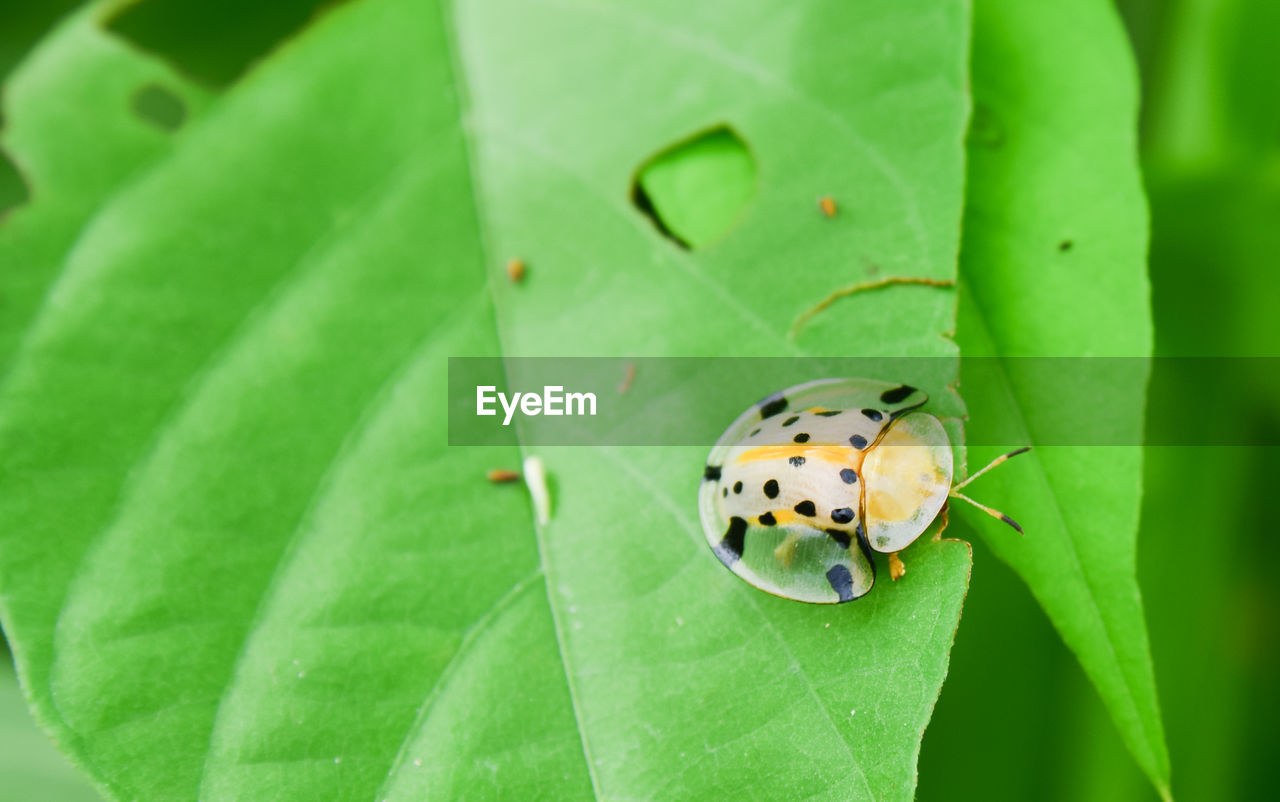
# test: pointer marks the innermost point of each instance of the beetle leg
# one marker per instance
(943, 514)
(994, 513)
(896, 567)
(993, 463)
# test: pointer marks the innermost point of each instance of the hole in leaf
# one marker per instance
(13, 187)
(696, 190)
(213, 41)
(160, 107)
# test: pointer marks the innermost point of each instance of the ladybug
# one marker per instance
(806, 484)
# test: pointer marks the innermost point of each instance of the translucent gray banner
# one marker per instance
(1042, 401)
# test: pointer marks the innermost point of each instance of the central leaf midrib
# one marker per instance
(464, 108)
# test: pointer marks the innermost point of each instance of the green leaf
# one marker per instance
(1052, 161)
(24, 25)
(236, 551)
(213, 41)
(70, 128)
(32, 768)
(1209, 108)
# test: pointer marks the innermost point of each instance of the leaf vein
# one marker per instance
(469, 637)
(217, 357)
(367, 416)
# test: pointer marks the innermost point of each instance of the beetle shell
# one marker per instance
(805, 484)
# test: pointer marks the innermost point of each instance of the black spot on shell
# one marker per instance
(773, 405)
(730, 549)
(712, 472)
(849, 475)
(725, 493)
(796, 461)
(858, 441)
(806, 508)
(840, 537)
(791, 420)
(737, 487)
(873, 415)
(771, 488)
(841, 582)
(843, 515)
(803, 437)
(767, 519)
(754, 433)
(829, 413)
(897, 394)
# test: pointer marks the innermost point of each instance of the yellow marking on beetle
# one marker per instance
(836, 455)
(784, 517)
(781, 517)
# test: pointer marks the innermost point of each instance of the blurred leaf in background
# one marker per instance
(214, 41)
(74, 128)
(1211, 154)
(211, 42)
(23, 23)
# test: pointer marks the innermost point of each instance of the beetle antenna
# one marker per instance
(993, 463)
(994, 513)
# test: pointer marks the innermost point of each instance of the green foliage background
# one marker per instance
(1017, 718)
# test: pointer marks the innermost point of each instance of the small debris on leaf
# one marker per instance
(515, 270)
(503, 475)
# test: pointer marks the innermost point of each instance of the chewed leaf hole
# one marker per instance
(159, 106)
(695, 191)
